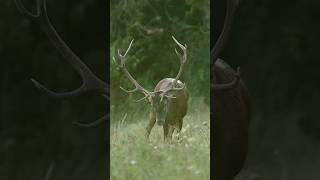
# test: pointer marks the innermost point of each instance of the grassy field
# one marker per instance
(185, 158)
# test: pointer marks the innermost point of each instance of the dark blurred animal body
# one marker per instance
(231, 114)
(231, 109)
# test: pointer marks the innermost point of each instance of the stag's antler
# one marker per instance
(122, 65)
(183, 60)
(218, 47)
(220, 44)
(90, 81)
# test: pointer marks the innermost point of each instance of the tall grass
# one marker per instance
(187, 157)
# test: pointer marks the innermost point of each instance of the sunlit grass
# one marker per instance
(186, 157)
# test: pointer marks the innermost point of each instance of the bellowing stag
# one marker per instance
(168, 101)
(91, 83)
(231, 110)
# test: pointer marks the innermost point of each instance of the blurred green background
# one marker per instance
(276, 45)
(152, 56)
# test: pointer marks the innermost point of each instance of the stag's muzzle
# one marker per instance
(160, 118)
(160, 122)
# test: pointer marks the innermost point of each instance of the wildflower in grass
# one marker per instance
(133, 162)
(190, 168)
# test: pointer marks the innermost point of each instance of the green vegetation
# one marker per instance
(185, 158)
(152, 58)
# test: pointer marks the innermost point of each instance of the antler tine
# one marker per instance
(25, 11)
(92, 124)
(122, 57)
(141, 99)
(90, 81)
(168, 96)
(125, 54)
(228, 86)
(183, 58)
(122, 66)
(219, 45)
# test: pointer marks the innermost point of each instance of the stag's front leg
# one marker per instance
(170, 132)
(180, 123)
(150, 125)
(165, 130)
(179, 127)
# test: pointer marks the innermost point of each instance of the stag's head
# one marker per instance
(159, 106)
(159, 100)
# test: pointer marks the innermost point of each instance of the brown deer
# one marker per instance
(168, 101)
(91, 83)
(231, 110)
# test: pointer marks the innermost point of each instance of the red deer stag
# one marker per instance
(169, 100)
(231, 110)
(91, 83)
